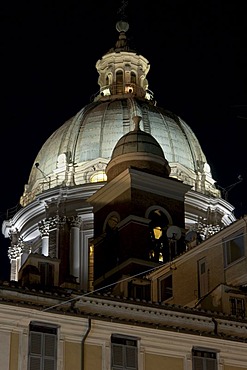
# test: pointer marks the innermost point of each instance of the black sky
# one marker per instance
(198, 70)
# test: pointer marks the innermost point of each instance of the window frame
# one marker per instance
(204, 358)
(230, 245)
(235, 303)
(203, 277)
(42, 337)
(168, 289)
(121, 347)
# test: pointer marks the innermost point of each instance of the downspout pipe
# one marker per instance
(83, 344)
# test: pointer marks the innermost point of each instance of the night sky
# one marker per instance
(198, 70)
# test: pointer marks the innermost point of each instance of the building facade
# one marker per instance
(80, 332)
(124, 255)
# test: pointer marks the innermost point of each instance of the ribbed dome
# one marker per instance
(140, 150)
(82, 146)
(79, 151)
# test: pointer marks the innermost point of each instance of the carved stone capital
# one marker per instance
(44, 227)
(15, 251)
(61, 220)
(75, 221)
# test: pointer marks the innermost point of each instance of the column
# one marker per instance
(44, 231)
(75, 223)
(14, 253)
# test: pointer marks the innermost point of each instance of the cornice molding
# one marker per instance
(163, 317)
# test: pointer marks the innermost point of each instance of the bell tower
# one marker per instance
(135, 209)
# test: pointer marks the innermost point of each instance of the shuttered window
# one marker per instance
(124, 353)
(42, 347)
(203, 359)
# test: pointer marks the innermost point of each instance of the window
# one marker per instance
(233, 249)
(139, 290)
(133, 77)
(159, 246)
(237, 306)
(42, 347)
(203, 359)
(119, 76)
(119, 82)
(46, 273)
(165, 288)
(123, 353)
(203, 277)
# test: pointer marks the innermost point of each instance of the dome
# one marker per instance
(79, 150)
(140, 150)
(93, 147)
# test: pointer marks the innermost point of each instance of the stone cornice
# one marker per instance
(129, 312)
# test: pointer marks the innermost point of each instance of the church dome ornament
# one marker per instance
(122, 26)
